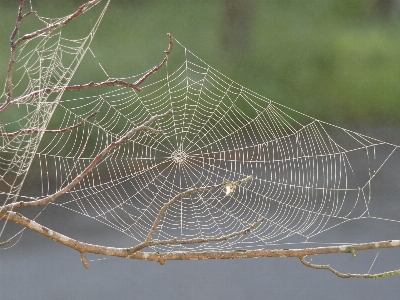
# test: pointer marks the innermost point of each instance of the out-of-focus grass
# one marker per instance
(333, 59)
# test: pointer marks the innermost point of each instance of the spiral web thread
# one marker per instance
(308, 176)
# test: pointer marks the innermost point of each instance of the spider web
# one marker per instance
(308, 176)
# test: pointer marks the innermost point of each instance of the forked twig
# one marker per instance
(35, 130)
(233, 254)
(14, 44)
(78, 87)
(89, 168)
(348, 275)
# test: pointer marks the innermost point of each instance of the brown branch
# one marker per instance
(187, 193)
(53, 26)
(234, 254)
(77, 87)
(196, 240)
(159, 66)
(96, 160)
(14, 44)
(348, 275)
(35, 130)
(84, 260)
(111, 82)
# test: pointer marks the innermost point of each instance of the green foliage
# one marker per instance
(333, 60)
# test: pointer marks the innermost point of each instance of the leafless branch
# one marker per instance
(69, 88)
(14, 44)
(84, 260)
(96, 160)
(348, 275)
(35, 130)
(111, 251)
(234, 254)
(163, 62)
(111, 82)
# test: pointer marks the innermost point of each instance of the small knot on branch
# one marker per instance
(352, 251)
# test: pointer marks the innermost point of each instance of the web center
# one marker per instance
(179, 156)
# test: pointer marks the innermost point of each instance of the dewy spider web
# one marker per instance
(308, 176)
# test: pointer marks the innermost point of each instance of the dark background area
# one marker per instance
(336, 60)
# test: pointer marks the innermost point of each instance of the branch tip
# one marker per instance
(160, 65)
(84, 260)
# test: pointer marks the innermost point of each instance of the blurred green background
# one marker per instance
(336, 60)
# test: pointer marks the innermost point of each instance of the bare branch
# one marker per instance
(163, 62)
(84, 260)
(55, 25)
(35, 130)
(348, 275)
(162, 257)
(19, 18)
(187, 193)
(69, 88)
(30, 12)
(96, 160)
(14, 44)
(111, 82)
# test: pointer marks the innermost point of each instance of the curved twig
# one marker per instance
(14, 44)
(77, 87)
(160, 65)
(348, 275)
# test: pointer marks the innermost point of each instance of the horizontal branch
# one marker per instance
(349, 275)
(35, 130)
(233, 254)
(187, 193)
(77, 87)
(96, 160)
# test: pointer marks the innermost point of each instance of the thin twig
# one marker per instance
(69, 88)
(35, 130)
(78, 87)
(55, 25)
(163, 62)
(84, 260)
(348, 275)
(14, 44)
(96, 160)
(187, 193)
(196, 240)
